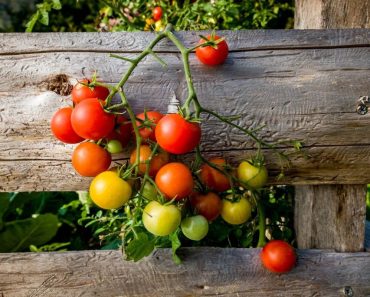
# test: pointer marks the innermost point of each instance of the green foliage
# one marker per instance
(126, 15)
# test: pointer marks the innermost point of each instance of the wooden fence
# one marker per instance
(299, 84)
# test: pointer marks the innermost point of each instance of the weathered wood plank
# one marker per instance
(329, 14)
(205, 272)
(241, 40)
(307, 94)
(330, 216)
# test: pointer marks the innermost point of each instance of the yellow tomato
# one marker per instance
(236, 213)
(109, 191)
(253, 176)
(161, 220)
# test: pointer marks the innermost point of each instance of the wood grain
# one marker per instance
(240, 40)
(205, 272)
(330, 216)
(332, 14)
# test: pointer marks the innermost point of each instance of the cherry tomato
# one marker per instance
(176, 135)
(195, 227)
(81, 92)
(90, 121)
(208, 205)
(212, 56)
(253, 176)
(149, 132)
(157, 13)
(62, 128)
(278, 256)
(214, 179)
(122, 131)
(149, 191)
(109, 191)
(114, 146)
(236, 213)
(161, 220)
(158, 160)
(89, 159)
(174, 180)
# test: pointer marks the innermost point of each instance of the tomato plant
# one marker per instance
(208, 205)
(90, 121)
(278, 256)
(175, 181)
(84, 89)
(214, 179)
(150, 120)
(253, 176)
(161, 220)
(62, 128)
(109, 191)
(177, 135)
(195, 227)
(236, 213)
(157, 161)
(90, 159)
(157, 13)
(215, 54)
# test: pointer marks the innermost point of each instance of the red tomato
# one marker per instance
(122, 132)
(278, 256)
(158, 160)
(90, 159)
(90, 121)
(81, 92)
(174, 180)
(212, 56)
(62, 128)
(153, 117)
(208, 205)
(214, 179)
(176, 135)
(157, 13)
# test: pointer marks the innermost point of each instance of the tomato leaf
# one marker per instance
(175, 244)
(139, 247)
(19, 235)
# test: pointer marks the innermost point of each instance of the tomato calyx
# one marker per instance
(211, 41)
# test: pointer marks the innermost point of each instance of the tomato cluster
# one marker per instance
(169, 194)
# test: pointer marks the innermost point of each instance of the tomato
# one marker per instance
(195, 227)
(90, 121)
(157, 13)
(122, 131)
(236, 213)
(161, 220)
(62, 128)
(176, 135)
(214, 179)
(174, 180)
(208, 205)
(153, 118)
(278, 256)
(149, 191)
(109, 191)
(81, 92)
(158, 160)
(114, 146)
(89, 159)
(212, 56)
(253, 176)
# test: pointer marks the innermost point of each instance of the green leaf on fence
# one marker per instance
(175, 244)
(139, 247)
(19, 235)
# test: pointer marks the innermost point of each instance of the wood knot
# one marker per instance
(58, 84)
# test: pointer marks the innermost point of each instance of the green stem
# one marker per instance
(261, 223)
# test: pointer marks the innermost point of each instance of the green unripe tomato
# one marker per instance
(114, 146)
(253, 176)
(195, 228)
(149, 191)
(161, 220)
